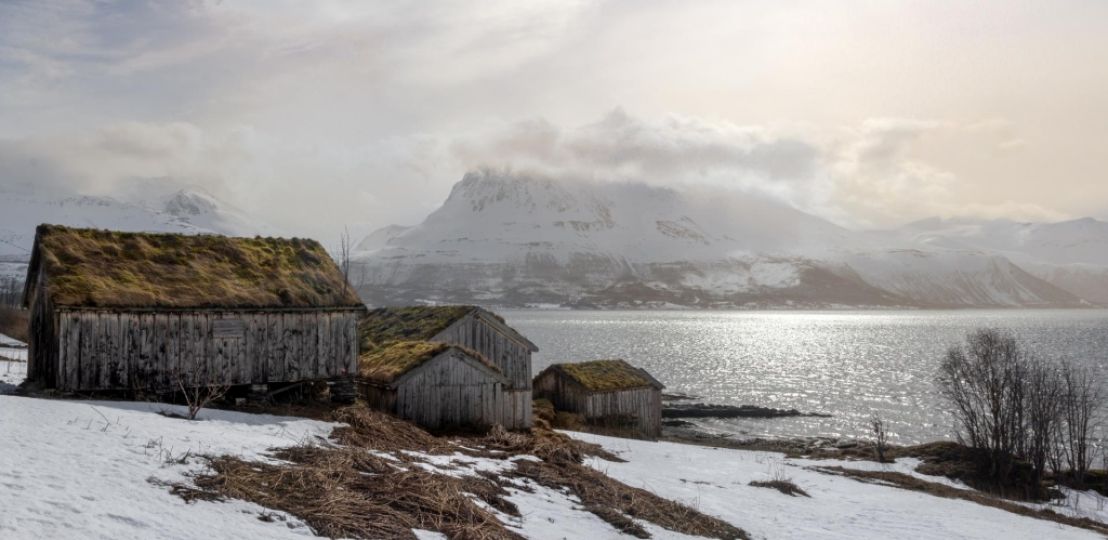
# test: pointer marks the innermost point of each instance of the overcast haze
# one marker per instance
(312, 115)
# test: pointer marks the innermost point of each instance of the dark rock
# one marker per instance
(705, 410)
(676, 396)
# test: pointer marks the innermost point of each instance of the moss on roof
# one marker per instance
(386, 364)
(606, 375)
(89, 267)
(383, 326)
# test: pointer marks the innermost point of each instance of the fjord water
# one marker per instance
(849, 364)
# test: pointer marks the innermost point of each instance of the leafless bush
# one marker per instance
(881, 436)
(985, 382)
(198, 394)
(1013, 406)
(1081, 399)
(1043, 404)
(344, 257)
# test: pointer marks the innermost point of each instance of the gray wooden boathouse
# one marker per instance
(609, 394)
(436, 385)
(471, 327)
(143, 311)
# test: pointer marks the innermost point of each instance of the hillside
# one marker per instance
(523, 240)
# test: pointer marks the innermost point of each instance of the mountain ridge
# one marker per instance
(519, 239)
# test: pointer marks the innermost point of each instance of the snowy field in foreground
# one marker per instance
(715, 481)
(97, 469)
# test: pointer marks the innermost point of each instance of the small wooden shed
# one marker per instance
(436, 385)
(471, 327)
(607, 393)
(128, 311)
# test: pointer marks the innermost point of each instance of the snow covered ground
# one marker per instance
(12, 349)
(715, 481)
(91, 469)
(98, 469)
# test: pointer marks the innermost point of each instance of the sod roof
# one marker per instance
(383, 326)
(605, 375)
(387, 364)
(98, 268)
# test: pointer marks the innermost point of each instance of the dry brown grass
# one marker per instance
(784, 486)
(348, 492)
(89, 267)
(383, 326)
(15, 323)
(385, 364)
(911, 483)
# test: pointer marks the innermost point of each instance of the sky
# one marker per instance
(318, 115)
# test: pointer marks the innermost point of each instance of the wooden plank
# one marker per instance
(277, 348)
(323, 353)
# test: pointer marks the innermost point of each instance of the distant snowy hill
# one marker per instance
(1072, 255)
(184, 211)
(519, 240)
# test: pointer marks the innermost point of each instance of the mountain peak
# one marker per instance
(187, 203)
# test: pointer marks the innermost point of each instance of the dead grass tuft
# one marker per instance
(375, 430)
(350, 493)
(784, 486)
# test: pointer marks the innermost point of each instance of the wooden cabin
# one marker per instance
(436, 385)
(610, 394)
(471, 327)
(130, 311)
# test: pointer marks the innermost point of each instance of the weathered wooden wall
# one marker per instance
(511, 357)
(445, 391)
(644, 404)
(42, 349)
(124, 350)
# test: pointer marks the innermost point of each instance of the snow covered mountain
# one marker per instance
(1072, 255)
(518, 240)
(184, 211)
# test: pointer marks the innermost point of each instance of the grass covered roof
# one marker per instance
(383, 326)
(386, 325)
(98, 268)
(386, 364)
(606, 375)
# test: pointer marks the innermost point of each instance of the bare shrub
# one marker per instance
(344, 257)
(198, 393)
(881, 437)
(985, 382)
(1013, 406)
(1081, 400)
(1043, 405)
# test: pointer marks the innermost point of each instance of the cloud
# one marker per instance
(668, 151)
(369, 112)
